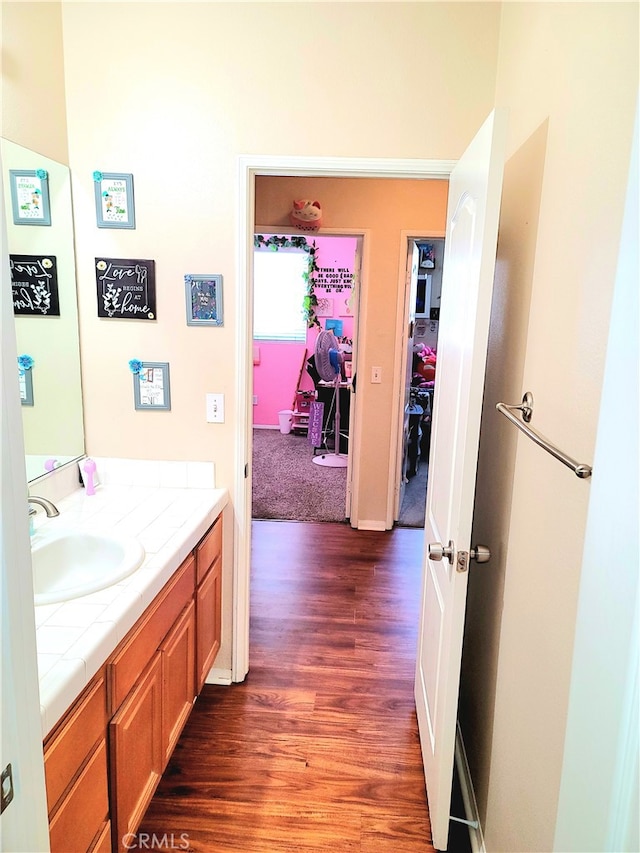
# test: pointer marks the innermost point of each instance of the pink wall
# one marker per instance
(275, 378)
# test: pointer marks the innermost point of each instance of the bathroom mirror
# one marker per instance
(52, 418)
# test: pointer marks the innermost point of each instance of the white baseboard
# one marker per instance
(367, 524)
(266, 426)
(468, 795)
(218, 676)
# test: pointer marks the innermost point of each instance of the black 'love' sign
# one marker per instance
(126, 289)
(34, 285)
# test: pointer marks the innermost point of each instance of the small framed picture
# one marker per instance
(204, 300)
(25, 379)
(151, 388)
(30, 196)
(114, 200)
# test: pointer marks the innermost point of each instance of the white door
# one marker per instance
(470, 249)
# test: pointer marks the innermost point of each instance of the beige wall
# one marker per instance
(33, 96)
(384, 208)
(187, 89)
(569, 75)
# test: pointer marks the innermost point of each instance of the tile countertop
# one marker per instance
(75, 637)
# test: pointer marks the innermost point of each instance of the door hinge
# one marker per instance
(246, 470)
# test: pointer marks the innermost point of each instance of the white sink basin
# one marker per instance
(68, 564)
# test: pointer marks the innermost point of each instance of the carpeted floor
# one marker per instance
(412, 511)
(288, 485)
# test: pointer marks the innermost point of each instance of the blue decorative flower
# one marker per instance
(97, 176)
(41, 173)
(25, 362)
(135, 365)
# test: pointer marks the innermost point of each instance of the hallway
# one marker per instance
(318, 749)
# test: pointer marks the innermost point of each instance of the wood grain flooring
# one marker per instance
(317, 750)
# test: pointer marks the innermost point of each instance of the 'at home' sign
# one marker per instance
(34, 285)
(126, 289)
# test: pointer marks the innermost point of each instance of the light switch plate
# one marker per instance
(376, 375)
(215, 408)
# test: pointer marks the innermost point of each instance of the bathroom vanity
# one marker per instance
(144, 664)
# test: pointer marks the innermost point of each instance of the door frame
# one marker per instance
(249, 167)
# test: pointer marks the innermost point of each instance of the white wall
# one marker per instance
(568, 74)
(598, 806)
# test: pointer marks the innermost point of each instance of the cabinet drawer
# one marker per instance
(83, 812)
(209, 549)
(66, 751)
(127, 663)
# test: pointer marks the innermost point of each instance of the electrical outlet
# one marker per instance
(376, 375)
(215, 408)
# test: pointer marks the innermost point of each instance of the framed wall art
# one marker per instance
(126, 288)
(34, 285)
(30, 196)
(203, 295)
(25, 379)
(151, 389)
(114, 200)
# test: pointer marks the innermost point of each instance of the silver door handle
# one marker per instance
(437, 551)
(481, 554)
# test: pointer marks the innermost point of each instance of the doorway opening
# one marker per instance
(251, 169)
(423, 288)
(301, 413)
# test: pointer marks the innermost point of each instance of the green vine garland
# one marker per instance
(310, 300)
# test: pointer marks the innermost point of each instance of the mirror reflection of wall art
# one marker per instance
(151, 388)
(34, 285)
(25, 379)
(30, 196)
(126, 288)
(204, 300)
(114, 200)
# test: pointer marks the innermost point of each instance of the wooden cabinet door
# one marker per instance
(136, 752)
(84, 809)
(208, 621)
(178, 678)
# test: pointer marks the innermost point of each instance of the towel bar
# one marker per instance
(526, 409)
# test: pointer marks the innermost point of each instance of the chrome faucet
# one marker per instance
(50, 508)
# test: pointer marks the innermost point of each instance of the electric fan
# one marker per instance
(328, 360)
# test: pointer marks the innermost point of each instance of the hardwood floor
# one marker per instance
(318, 749)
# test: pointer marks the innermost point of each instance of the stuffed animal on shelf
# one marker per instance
(306, 215)
(424, 366)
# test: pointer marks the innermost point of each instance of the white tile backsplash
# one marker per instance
(156, 474)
